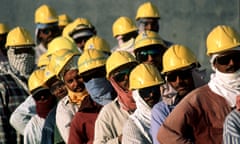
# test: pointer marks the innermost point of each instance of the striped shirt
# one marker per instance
(231, 133)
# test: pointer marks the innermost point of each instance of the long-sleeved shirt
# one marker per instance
(109, 123)
(22, 114)
(231, 129)
(198, 118)
(33, 130)
(64, 114)
(160, 111)
(82, 125)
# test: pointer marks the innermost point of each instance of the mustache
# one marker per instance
(232, 68)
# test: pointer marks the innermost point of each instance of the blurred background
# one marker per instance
(185, 22)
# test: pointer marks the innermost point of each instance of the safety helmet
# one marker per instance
(222, 38)
(91, 59)
(98, 43)
(3, 28)
(60, 58)
(36, 80)
(144, 75)
(45, 14)
(123, 25)
(117, 59)
(19, 36)
(60, 43)
(63, 20)
(43, 60)
(177, 57)
(147, 38)
(49, 73)
(147, 10)
(66, 30)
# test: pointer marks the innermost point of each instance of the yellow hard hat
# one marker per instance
(123, 25)
(19, 36)
(3, 28)
(59, 60)
(45, 14)
(222, 38)
(144, 75)
(60, 43)
(43, 60)
(49, 73)
(35, 80)
(147, 38)
(98, 43)
(91, 59)
(147, 10)
(177, 57)
(67, 30)
(117, 59)
(63, 20)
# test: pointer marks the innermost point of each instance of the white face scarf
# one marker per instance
(226, 85)
(142, 115)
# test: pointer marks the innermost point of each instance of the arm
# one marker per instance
(159, 113)
(132, 134)
(177, 127)
(103, 133)
(22, 114)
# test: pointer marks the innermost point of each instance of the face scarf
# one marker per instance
(226, 85)
(142, 115)
(43, 107)
(100, 90)
(125, 98)
(24, 63)
(77, 97)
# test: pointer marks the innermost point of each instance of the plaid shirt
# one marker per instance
(11, 95)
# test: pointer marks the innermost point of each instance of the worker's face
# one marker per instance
(228, 62)
(151, 95)
(181, 81)
(81, 41)
(151, 55)
(48, 34)
(150, 24)
(58, 89)
(121, 76)
(74, 81)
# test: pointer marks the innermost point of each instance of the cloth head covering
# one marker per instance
(125, 98)
(77, 97)
(142, 115)
(70, 65)
(24, 63)
(100, 90)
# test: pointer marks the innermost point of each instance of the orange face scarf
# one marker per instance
(77, 97)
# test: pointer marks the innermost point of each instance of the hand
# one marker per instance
(120, 138)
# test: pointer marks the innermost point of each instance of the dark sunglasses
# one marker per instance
(225, 59)
(120, 76)
(181, 74)
(24, 50)
(81, 39)
(145, 92)
(143, 55)
(46, 31)
(41, 95)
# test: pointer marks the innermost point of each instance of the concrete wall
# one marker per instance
(183, 21)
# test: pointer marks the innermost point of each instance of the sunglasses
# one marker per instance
(81, 39)
(181, 74)
(46, 31)
(120, 76)
(145, 92)
(225, 59)
(143, 55)
(24, 50)
(41, 95)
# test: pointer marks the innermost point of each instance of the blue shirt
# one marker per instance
(159, 113)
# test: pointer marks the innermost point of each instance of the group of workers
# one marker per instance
(69, 86)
